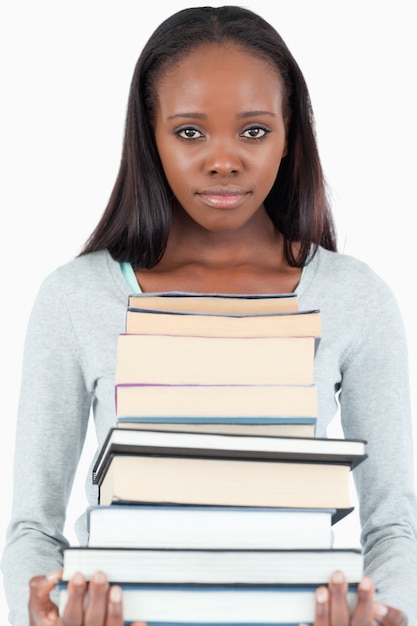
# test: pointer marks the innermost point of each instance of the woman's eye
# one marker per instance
(255, 132)
(189, 133)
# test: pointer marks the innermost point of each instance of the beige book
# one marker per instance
(295, 323)
(215, 303)
(137, 478)
(167, 359)
(209, 401)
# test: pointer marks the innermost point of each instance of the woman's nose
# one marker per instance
(223, 159)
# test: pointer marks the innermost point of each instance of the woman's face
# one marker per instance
(220, 131)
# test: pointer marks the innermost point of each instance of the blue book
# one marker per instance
(252, 426)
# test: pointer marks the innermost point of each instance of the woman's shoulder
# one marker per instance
(87, 270)
(345, 278)
(85, 265)
(345, 269)
(340, 263)
(85, 279)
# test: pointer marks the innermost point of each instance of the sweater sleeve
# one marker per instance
(375, 406)
(52, 422)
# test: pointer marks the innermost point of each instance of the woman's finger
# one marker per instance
(388, 616)
(363, 614)
(96, 607)
(339, 609)
(73, 614)
(42, 611)
(115, 607)
(322, 607)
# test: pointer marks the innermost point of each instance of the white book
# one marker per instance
(215, 567)
(216, 605)
(187, 526)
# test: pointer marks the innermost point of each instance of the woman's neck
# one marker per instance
(247, 260)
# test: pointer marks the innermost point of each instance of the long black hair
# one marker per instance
(136, 222)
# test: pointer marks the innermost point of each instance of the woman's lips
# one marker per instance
(223, 197)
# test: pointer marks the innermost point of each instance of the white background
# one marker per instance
(65, 73)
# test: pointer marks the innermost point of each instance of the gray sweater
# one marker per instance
(68, 367)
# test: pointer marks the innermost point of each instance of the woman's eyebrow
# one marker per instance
(255, 113)
(203, 116)
(195, 116)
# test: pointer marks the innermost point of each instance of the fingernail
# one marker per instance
(366, 583)
(337, 577)
(99, 578)
(321, 596)
(54, 576)
(116, 595)
(78, 579)
(380, 609)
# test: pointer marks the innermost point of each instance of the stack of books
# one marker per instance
(224, 364)
(216, 499)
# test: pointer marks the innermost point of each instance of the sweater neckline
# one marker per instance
(134, 286)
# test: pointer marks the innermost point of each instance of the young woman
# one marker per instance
(220, 189)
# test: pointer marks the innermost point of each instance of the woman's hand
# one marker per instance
(332, 607)
(104, 606)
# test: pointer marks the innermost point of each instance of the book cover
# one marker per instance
(146, 442)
